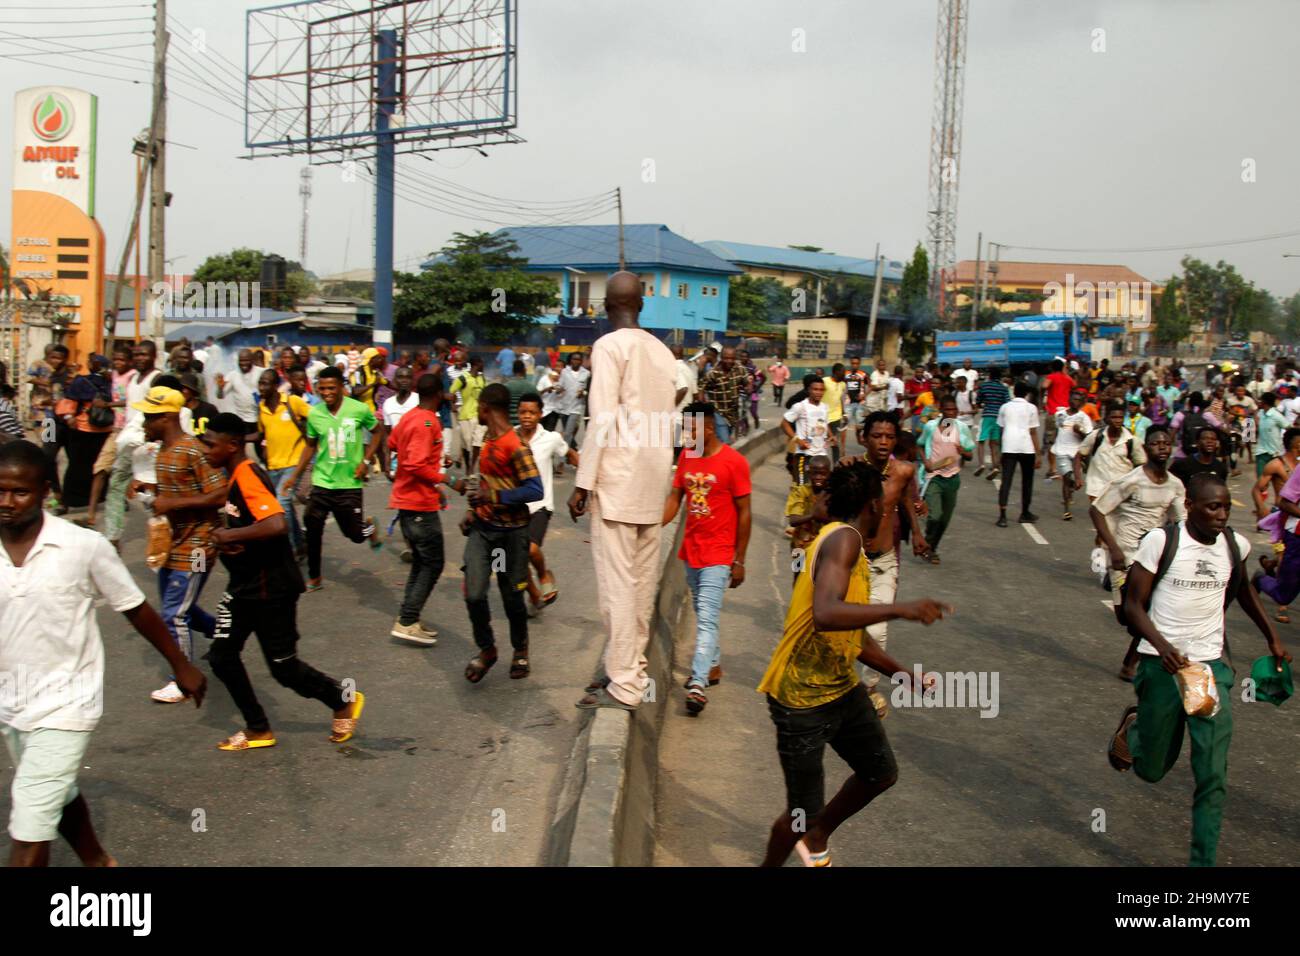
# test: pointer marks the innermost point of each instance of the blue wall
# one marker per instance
(696, 311)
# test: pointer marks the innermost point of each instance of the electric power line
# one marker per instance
(1172, 248)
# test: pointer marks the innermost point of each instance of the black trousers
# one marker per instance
(503, 552)
(1009, 462)
(423, 533)
(82, 448)
(777, 392)
(275, 623)
(345, 505)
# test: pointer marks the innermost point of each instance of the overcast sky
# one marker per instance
(1139, 146)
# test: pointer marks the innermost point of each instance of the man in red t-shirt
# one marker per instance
(1056, 396)
(714, 479)
(417, 498)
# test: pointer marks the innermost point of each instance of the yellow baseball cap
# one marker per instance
(160, 399)
(368, 354)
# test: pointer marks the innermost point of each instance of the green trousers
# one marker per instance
(1261, 462)
(941, 499)
(1156, 738)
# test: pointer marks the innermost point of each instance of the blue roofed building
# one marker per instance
(685, 285)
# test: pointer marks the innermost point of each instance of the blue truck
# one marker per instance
(1032, 341)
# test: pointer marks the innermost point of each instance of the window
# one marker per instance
(647, 288)
(683, 290)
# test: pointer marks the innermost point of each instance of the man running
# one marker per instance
(947, 444)
(334, 439)
(1111, 453)
(1130, 506)
(50, 643)
(262, 596)
(469, 431)
(189, 493)
(417, 445)
(1072, 426)
(990, 395)
(898, 483)
(549, 450)
(714, 479)
(281, 422)
(1018, 424)
(813, 692)
(496, 526)
(1275, 474)
(1180, 618)
(1272, 423)
(1204, 458)
(807, 424)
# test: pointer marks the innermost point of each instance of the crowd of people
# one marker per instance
(221, 459)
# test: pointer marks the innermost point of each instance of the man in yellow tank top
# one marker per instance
(813, 691)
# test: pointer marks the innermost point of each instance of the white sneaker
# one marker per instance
(415, 633)
(171, 694)
(428, 631)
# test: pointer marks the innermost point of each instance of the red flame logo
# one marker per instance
(52, 117)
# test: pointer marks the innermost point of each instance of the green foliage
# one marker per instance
(756, 303)
(1173, 323)
(807, 248)
(478, 288)
(1290, 317)
(1218, 299)
(245, 265)
(914, 292)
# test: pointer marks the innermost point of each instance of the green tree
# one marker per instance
(478, 286)
(1290, 318)
(807, 248)
(914, 292)
(1173, 322)
(245, 265)
(756, 303)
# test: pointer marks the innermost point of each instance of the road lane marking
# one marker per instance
(1033, 533)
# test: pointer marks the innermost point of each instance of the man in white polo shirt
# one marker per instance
(1018, 420)
(51, 653)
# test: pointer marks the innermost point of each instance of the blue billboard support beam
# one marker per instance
(385, 163)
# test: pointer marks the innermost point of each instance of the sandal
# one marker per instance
(315, 585)
(519, 665)
(1066, 516)
(597, 685)
(549, 593)
(813, 859)
(479, 665)
(345, 728)
(239, 741)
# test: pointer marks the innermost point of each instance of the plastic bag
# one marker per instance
(1200, 692)
(158, 541)
(1100, 562)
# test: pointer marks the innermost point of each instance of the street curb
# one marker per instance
(606, 812)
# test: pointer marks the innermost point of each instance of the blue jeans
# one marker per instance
(284, 494)
(707, 585)
(179, 592)
(722, 427)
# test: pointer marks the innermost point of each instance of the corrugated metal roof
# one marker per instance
(800, 260)
(646, 246)
(1012, 272)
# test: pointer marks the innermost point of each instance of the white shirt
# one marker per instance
(573, 383)
(1134, 504)
(811, 424)
(1067, 440)
(876, 400)
(136, 390)
(896, 390)
(548, 449)
(314, 368)
(1291, 409)
(394, 410)
(1018, 418)
(51, 652)
(1109, 461)
(1187, 603)
(546, 383)
(971, 375)
(688, 377)
(241, 392)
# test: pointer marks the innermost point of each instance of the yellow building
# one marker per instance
(1107, 294)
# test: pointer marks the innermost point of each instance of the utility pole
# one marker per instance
(975, 285)
(385, 173)
(158, 175)
(875, 307)
(622, 259)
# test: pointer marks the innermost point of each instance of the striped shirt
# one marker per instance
(506, 467)
(183, 472)
(993, 395)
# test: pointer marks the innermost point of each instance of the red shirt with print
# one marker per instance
(711, 487)
(1059, 386)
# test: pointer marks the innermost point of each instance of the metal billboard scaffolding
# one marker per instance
(332, 78)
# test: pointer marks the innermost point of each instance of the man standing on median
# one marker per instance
(624, 470)
(714, 480)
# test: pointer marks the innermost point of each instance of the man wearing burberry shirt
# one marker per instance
(417, 440)
(497, 527)
(189, 493)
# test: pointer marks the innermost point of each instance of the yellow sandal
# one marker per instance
(346, 727)
(240, 741)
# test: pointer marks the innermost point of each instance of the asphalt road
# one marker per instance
(1026, 787)
(442, 772)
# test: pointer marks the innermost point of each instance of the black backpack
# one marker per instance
(1101, 437)
(1167, 558)
(1193, 422)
